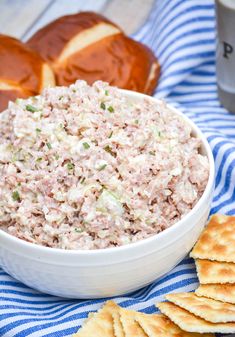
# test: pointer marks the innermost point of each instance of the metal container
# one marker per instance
(225, 53)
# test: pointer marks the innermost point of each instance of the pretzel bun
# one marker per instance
(90, 47)
(23, 72)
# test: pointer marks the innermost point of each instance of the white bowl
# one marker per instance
(111, 271)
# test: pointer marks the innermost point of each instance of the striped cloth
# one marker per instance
(182, 34)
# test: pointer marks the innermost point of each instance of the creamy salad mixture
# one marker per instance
(84, 168)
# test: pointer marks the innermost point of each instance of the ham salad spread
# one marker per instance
(84, 167)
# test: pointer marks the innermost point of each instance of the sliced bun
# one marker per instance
(22, 71)
(90, 47)
(69, 34)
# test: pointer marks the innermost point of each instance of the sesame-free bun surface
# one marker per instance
(23, 72)
(90, 47)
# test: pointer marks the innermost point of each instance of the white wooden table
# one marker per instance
(21, 18)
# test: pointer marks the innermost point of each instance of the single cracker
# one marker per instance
(161, 326)
(130, 326)
(217, 241)
(211, 310)
(191, 323)
(117, 324)
(100, 324)
(215, 272)
(220, 292)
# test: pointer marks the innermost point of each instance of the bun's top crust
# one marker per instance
(51, 39)
(88, 46)
(118, 60)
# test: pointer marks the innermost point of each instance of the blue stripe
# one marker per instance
(61, 333)
(39, 319)
(182, 13)
(28, 331)
(22, 293)
(17, 300)
(191, 57)
(230, 170)
(185, 47)
(212, 120)
(45, 308)
(193, 31)
(12, 283)
(188, 83)
(231, 212)
(180, 94)
(183, 24)
(171, 288)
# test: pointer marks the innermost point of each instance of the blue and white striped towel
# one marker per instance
(182, 34)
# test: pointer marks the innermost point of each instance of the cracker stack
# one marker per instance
(212, 307)
(209, 310)
(113, 321)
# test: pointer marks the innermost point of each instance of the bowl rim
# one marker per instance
(36, 248)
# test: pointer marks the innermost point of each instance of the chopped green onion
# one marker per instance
(16, 196)
(19, 184)
(102, 105)
(152, 153)
(70, 166)
(159, 134)
(86, 145)
(110, 109)
(110, 135)
(136, 121)
(106, 92)
(82, 180)
(78, 230)
(57, 156)
(31, 108)
(61, 97)
(38, 130)
(39, 159)
(102, 167)
(49, 146)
